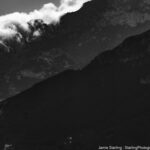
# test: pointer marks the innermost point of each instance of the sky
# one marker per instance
(9, 6)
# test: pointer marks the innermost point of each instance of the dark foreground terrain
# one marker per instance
(106, 103)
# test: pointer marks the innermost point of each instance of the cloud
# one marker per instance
(17, 26)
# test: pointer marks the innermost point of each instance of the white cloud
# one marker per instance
(17, 23)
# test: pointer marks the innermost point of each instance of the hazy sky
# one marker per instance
(9, 6)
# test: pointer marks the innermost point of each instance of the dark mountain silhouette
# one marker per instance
(106, 103)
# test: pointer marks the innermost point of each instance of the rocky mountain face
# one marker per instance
(38, 59)
(106, 103)
(20, 72)
(98, 26)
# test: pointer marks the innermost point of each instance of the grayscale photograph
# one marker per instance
(74, 74)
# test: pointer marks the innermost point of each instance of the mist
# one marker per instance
(18, 26)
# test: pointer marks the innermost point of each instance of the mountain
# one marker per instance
(73, 43)
(106, 103)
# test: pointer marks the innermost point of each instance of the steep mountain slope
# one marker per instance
(98, 26)
(106, 103)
